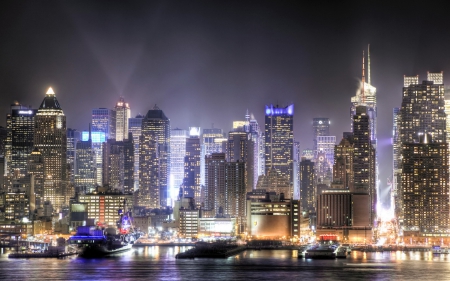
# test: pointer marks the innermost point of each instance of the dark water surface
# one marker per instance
(159, 263)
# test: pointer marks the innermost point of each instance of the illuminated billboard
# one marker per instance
(96, 136)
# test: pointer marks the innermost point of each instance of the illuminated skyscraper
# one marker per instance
(149, 189)
(191, 181)
(103, 121)
(19, 140)
(177, 153)
(343, 165)
(279, 139)
(422, 196)
(36, 169)
(321, 127)
(215, 194)
(73, 136)
(157, 123)
(307, 185)
(364, 159)
(84, 174)
(122, 112)
(212, 139)
(135, 127)
(50, 137)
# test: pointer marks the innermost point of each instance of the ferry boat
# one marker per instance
(95, 241)
(327, 248)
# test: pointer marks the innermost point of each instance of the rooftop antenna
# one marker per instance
(368, 64)
(363, 80)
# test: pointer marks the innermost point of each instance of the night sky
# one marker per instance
(208, 62)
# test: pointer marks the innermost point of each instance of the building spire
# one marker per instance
(368, 64)
(50, 92)
(363, 81)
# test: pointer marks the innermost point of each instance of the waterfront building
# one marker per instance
(177, 153)
(279, 139)
(16, 204)
(103, 205)
(122, 112)
(422, 129)
(135, 128)
(19, 142)
(50, 137)
(274, 219)
(155, 122)
(217, 227)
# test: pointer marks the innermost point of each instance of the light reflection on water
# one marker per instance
(159, 263)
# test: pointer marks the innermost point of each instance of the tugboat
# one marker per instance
(95, 241)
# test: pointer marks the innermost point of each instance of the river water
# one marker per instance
(159, 263)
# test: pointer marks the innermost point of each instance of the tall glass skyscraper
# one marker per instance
(51, 140)
(177, 153)
(19, 139)
(279, 139)
(135, 128)
(122, 112)
(191, 181)
(103, 121)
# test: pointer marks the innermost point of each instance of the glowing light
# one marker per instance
(194, 131)
(50, 91)
(25, 112)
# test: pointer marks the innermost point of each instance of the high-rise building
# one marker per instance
(279, 139)
(307, 185)
(191, 181)
(35, 169)
(103, 123)
(177, 153)
(364, 158)
(118, 164)
(50, 137)
(215, 190)
(20, 139)
(321, 127)
(422, 156)
(212, 139)
(425, 190)
(343, 165)
(135, 127)
(122, 112)
(84, 173)
(149, 189)
(157, 123)
(73, 136)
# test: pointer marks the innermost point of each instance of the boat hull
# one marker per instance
(103, 250)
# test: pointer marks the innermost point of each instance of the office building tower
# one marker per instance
(50, 137)
(118, 164)
(235, 185)
(325, 145)
(343, 165)
(215, 190)
(149, 188)
(135, 127)
(104, 120)
(177, 153)
(212, 140)
(307, 185)
(364, 158)
(103, 123)
(274, 181)
(35, 170)
(396, 163)
(73, 136)
(19, 140)
(321, 127)
(122, 112)
(308, 153)
(157, 123)
(191, 181)
(425, 189)
(423, 159)
(3, 136)
(85, 174)
(296, 172)
(279, 139)
(256, 151)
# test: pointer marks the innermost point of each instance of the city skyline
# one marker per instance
(222, 59)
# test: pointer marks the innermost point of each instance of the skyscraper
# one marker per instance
(73, 136)
(149, 189)
(84, 173)
(422, 139)
(191, 181)
(51, 140)
(212, 139)
(364, 158)
(19, 140)
(215, 194)
(122, 112)
(307, 185)
(103, 122)
(279, 139)
(177, 153)
(321, 127)
(135, 127)
(157, 123)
